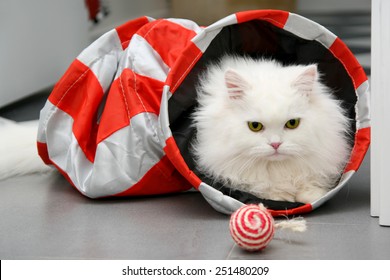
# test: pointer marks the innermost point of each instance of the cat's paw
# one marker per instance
(308, 195)
(279, 196)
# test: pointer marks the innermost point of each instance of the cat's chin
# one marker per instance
(277, 157)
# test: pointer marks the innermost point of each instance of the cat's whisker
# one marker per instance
(246, 165)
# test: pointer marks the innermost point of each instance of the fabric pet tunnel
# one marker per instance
(118, 122)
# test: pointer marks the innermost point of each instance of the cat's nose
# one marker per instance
(276, 145)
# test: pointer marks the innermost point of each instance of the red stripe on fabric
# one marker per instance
(183, 66)
(130, 94)
(294, 211)
(162, 178)
(115, 115)
(162, 31)
(79, 94)
(43, 152)
(73, 75)
(177, 160)
(362, 142)
(143, 93)
(353, 67)
(277, 18)
(128, 29)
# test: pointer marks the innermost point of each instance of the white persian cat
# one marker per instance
(271, 130)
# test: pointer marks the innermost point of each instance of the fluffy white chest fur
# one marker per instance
(274, 131)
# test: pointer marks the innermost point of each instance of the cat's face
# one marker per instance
(272, 120)
(257, 116)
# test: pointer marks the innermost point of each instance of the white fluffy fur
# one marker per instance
(18, 149)
(310, 158)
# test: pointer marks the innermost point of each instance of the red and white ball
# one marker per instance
(252, 227)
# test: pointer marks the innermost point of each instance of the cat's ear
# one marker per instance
(306, 79)
(236, 84)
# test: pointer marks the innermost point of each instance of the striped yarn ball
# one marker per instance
(252, 227)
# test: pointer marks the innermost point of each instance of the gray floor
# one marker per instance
(43, 217)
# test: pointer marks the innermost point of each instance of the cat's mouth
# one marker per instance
(277, 156)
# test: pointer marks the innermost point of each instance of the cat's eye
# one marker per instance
(255, 126)
(292, 124)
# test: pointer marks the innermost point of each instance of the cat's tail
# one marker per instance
(18, 149)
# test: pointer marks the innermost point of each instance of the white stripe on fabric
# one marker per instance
(44, 115)
(126, 156)
(363, 106)
(150, 19)
(344, 179)
(220, 202)
(229, 20)
(65, 151)
(143, 60)
(102, 58)
(204, 38)
(164, 116)
(309, 30)
(187, 24)
(121, 160)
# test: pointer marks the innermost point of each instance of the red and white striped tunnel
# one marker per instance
(117, 123)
